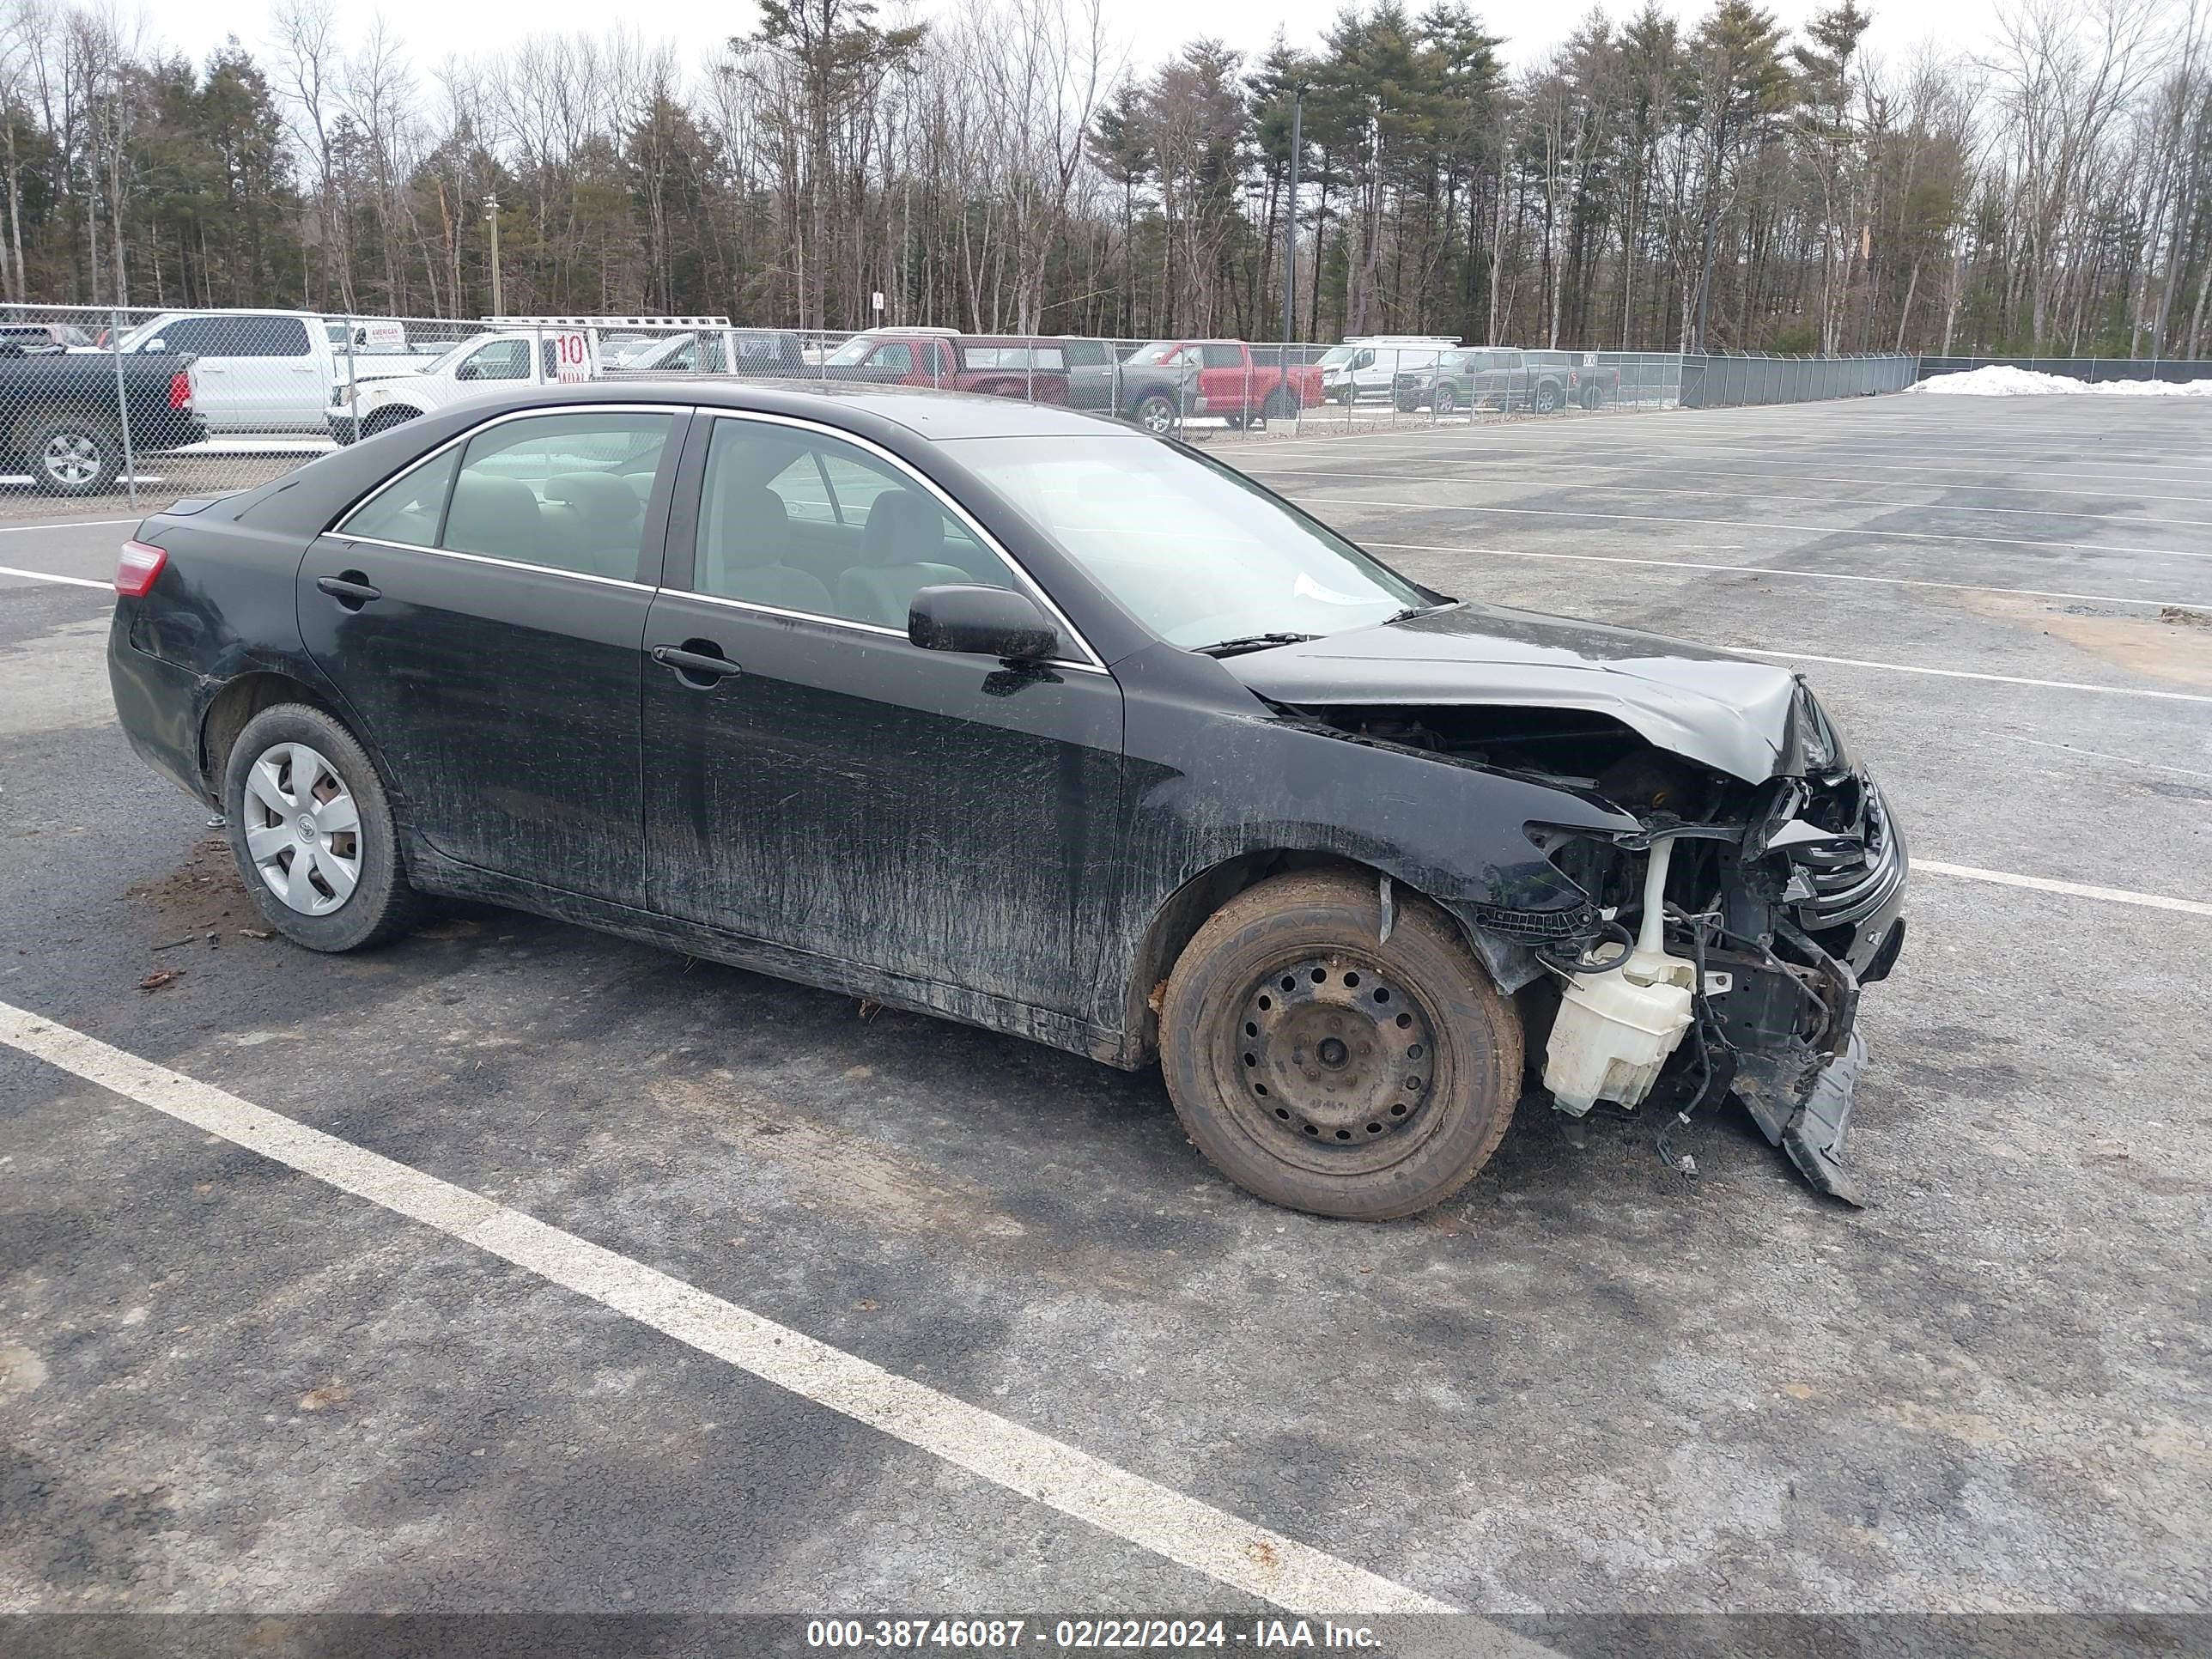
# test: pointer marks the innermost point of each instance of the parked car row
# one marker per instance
(1504, 378)
(236, 373)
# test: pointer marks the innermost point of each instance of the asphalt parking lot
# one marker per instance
(1588, 1385)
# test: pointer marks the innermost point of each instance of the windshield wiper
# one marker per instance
(1414, 611)
(1245, 643)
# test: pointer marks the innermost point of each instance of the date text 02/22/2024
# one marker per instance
(1110, 1635)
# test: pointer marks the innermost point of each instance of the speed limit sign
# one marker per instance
(572, 356)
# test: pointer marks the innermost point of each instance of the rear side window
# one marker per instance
(262, 337)
(410, 508)
(565, 491)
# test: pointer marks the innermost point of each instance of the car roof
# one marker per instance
(928, 413)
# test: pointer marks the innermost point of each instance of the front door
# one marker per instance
(836, 791)
(483, 615)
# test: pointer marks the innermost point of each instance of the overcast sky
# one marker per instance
(1148, 29)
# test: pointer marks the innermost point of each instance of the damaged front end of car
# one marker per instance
(1723, 942)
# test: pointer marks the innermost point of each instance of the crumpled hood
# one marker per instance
(1748, 719)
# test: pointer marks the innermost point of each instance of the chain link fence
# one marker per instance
(2178, 370)
(129, 409)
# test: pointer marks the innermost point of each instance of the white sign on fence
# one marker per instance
(572, 356)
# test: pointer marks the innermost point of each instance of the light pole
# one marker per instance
(491, 217)
(1291, 217)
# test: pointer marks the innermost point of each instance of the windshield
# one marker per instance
(1336, 357)
(1153, 355)
(853, 351)
(1197, 552)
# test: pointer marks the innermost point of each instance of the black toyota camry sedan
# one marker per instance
(1027, 719)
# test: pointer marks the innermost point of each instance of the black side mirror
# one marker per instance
(983, 621)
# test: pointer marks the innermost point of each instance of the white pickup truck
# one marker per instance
(545, 350)
(272, 371)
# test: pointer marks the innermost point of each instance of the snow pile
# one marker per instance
(2003, 380)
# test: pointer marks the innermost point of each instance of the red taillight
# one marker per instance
(137, 568)
(180, 390)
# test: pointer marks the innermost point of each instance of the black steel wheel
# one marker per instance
(1326, 1069)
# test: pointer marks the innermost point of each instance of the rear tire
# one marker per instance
(309, 817)
(68, 456)
(1593, 398)
(1327, 1071)
(1156, 413)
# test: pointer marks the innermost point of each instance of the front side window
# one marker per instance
(1221, 356)
(897, 357)
(799, 520)
(1157, 355)
(1083, 353)
(565, 491)
(193, 336)
(496, 359)
(1194, 551)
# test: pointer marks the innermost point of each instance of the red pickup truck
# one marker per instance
(998, 365)
(1172, 381)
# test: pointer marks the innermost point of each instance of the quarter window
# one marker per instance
(565, 491)
(408, 511)
(801, 522)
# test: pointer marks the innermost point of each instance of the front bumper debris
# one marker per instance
(1814, 1136)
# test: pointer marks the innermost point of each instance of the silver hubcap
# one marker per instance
(1159, 416)
(71, 457)
(302, 828)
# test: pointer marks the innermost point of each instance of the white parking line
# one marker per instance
(1798, 458)
(49, 576)
(1181, 1530)
(2076, 888)
(66, 524)
(1969, 674)
(1631, 487)
(1753, 523)
(1797, 575)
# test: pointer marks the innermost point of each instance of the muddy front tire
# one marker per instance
(313, 832)
(1326, 1070)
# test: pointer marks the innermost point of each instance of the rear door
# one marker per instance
(1090, 373)
(814, 780)
(1224, 377)
(483, 615)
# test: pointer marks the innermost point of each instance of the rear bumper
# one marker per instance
(157, 704)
